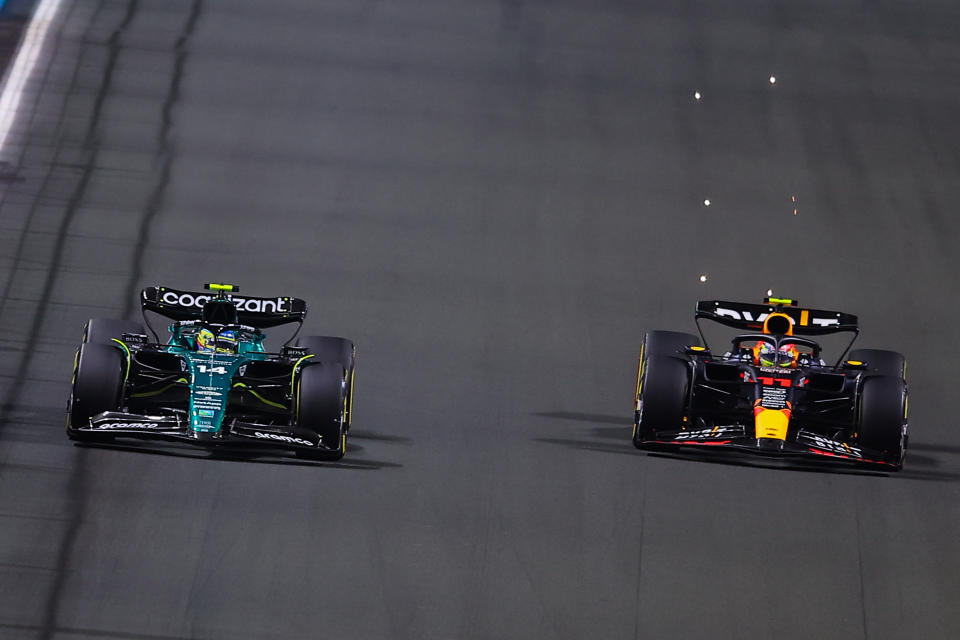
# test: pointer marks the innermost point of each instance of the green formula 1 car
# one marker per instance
(212, 382)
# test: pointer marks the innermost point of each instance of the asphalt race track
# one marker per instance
(494, 200)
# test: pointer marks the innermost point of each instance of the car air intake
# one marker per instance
(826, 381)
(220, 312)
(778, 324)
(722, 372)
(159, 361)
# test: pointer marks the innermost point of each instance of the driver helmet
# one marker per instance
(206, 341)
(765, 355)
(227, 341)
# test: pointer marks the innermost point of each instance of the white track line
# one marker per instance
(24, 63)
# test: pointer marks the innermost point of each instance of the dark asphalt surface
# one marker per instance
(495, 201)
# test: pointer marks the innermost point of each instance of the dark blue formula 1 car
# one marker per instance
(211, 382)
(771, 393)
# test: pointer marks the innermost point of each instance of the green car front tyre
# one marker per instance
(104, 330)
(97, 387)
(328, 349)
(321, 406)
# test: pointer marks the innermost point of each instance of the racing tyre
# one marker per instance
(663, 383)
(881, 362)
(103, 330)
(321, 407)
(97, 387)
(332, 349)
(883, 419)
(667, 343)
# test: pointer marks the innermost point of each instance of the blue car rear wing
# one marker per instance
(750, 317)
(791, 319)
(261, 313)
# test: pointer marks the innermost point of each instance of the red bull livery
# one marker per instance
(770, 392)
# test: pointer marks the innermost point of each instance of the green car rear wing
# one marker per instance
(261, 313)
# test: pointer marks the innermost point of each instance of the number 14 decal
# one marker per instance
(202, 368)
